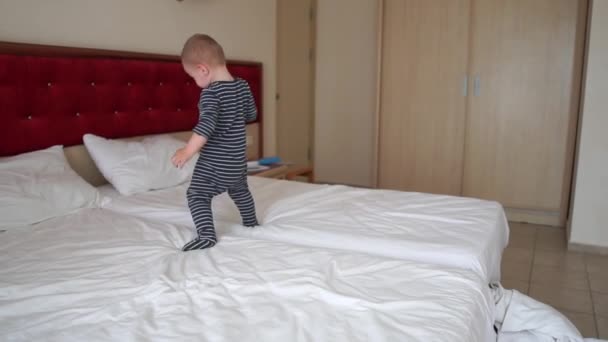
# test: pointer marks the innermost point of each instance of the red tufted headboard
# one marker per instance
(54, 95)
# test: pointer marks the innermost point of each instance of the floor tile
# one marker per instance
(564, 260)
(562, 298)
(552, 276)
(550, 238)
(585, 323)
(522, 241)
(516, 271)
(596, 263)
(518, 255)
(517, 264)
(515, 284)
(602, 326)
(521, 235)
(599, 282)
(600, 303)
(522, 228)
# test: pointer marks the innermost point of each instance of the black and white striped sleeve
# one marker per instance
(209, 107)
(251, 112)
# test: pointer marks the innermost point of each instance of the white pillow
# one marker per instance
(137, 166)
(39, 185)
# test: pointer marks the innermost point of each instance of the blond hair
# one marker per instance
(201, 48)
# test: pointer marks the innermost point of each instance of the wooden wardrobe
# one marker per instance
(480, 98)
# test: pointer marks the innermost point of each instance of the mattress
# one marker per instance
(445, 230)
(102, 276)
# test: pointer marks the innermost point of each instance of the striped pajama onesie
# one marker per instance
(225, 107)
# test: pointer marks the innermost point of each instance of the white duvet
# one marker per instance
(445, 230)
(520, 318)
(102, 276)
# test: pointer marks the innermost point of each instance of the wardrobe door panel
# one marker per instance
(525, 69)
(422, 97)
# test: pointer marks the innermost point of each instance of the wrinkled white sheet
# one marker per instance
(520, 318)
(103, 276)
(445, 230)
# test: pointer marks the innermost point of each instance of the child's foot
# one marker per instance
(199, 243)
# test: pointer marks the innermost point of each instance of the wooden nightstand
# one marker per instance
(288, 172)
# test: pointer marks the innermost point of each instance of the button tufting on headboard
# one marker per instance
(95, 85)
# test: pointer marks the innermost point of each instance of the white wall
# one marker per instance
(345, 91)
(589, 220)
(245, 28)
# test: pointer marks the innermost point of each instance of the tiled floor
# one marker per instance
(537, 263)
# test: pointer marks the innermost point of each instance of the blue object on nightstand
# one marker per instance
(269, 160)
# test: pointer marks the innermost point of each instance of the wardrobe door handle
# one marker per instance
(476, 86)
(465, 86)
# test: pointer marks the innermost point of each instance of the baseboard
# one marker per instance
(547, 218)
(590, 249)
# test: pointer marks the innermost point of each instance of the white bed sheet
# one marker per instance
(102, 276)
(444, 230)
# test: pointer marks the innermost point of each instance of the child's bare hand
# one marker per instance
(181, 157)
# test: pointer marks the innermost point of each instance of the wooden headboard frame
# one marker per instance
(77, 155)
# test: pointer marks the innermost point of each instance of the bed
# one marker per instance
(444, 230)
(120, 95)
(96, 275)
(103, 270)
